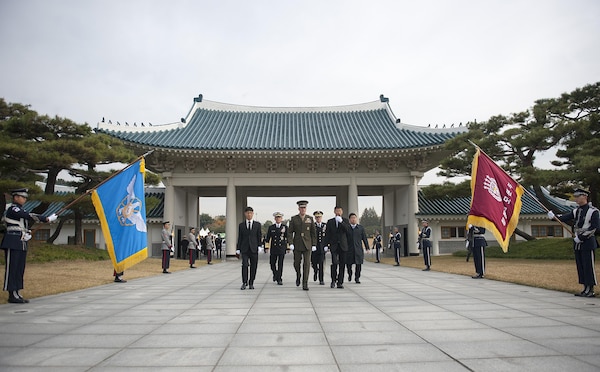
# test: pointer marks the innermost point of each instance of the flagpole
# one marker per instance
(98, 185)
(565, 226)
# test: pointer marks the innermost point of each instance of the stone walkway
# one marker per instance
(398, 319)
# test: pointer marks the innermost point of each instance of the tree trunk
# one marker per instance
(78, 226)
(539, 194)
(524, 235)
(53, 237)
(51, 181)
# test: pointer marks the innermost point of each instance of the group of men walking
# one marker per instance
(309, 238)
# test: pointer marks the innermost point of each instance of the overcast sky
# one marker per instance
(439, 62)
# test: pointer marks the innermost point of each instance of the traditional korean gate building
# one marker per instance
(237, 152)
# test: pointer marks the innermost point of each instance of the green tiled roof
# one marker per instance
(224, 127)
(461, 206)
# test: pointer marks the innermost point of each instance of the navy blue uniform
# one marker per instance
(587, 222)
(15, 244)
(479, 244)
(317, 257)
(425, 245)
(277, 239)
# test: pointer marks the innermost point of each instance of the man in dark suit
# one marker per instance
(249, 238)
(356, 255)
(303, 238)
(337, 240)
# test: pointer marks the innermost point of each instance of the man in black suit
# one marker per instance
(336, 239)
(249, 238)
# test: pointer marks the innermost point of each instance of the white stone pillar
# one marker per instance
(353, 197)
(230, 218)
(436, 232)
(169, 203)
(413, 208)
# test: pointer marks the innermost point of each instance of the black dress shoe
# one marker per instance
(119, 280)
(315, 277)
(274, 278)
(16, 300)
(376, 261)
(321, 283)
(397, 264)
(251, 286)
(478, 276)
(243, 286)
(166, 272)
(305, 287)
(209, 263)
(340, 286)
(357, 281)
(297, 282)
(349, 277)
(332, 284)
(192, 267)
(426, 269)
(279, 282)
(589, 294)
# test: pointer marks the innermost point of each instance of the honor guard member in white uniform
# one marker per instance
(425, 244)
(396, 242)
(477, 239)
(377, 245)
(318, 257)
(277, 239)
(586, 222)
(15, 243)
(303, 238)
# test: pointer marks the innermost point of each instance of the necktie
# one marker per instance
(248, 225)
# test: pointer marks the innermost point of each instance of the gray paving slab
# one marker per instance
(397, 319)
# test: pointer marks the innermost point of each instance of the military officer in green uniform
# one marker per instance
(303, 241)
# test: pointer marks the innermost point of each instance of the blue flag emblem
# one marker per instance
(121, 208)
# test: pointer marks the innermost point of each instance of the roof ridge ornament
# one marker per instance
(383, 98)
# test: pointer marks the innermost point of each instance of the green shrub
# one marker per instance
(539, 249)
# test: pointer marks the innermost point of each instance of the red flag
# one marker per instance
(495, 199)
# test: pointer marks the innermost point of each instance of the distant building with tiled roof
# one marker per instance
(238, 151)
(447, 218)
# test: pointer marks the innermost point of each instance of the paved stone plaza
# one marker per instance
(398, 319)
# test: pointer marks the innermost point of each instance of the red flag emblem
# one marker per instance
(495, 199)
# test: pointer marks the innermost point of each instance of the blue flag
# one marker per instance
(121, 207)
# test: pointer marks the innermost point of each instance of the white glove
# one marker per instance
(467, 244)
(313, 248)
(237, 252)
(26, 237)
(551, 215)
(172, 250)
(291, 247)
(577, 240)
(325, 249)
(338, 219)
(261, 249)
(52, 217)
(470, 225)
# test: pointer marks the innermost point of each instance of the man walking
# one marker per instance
(356, 239)
(337, 241)
(318, 257)
(249, 238)
(277, 239)
(302, 235)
